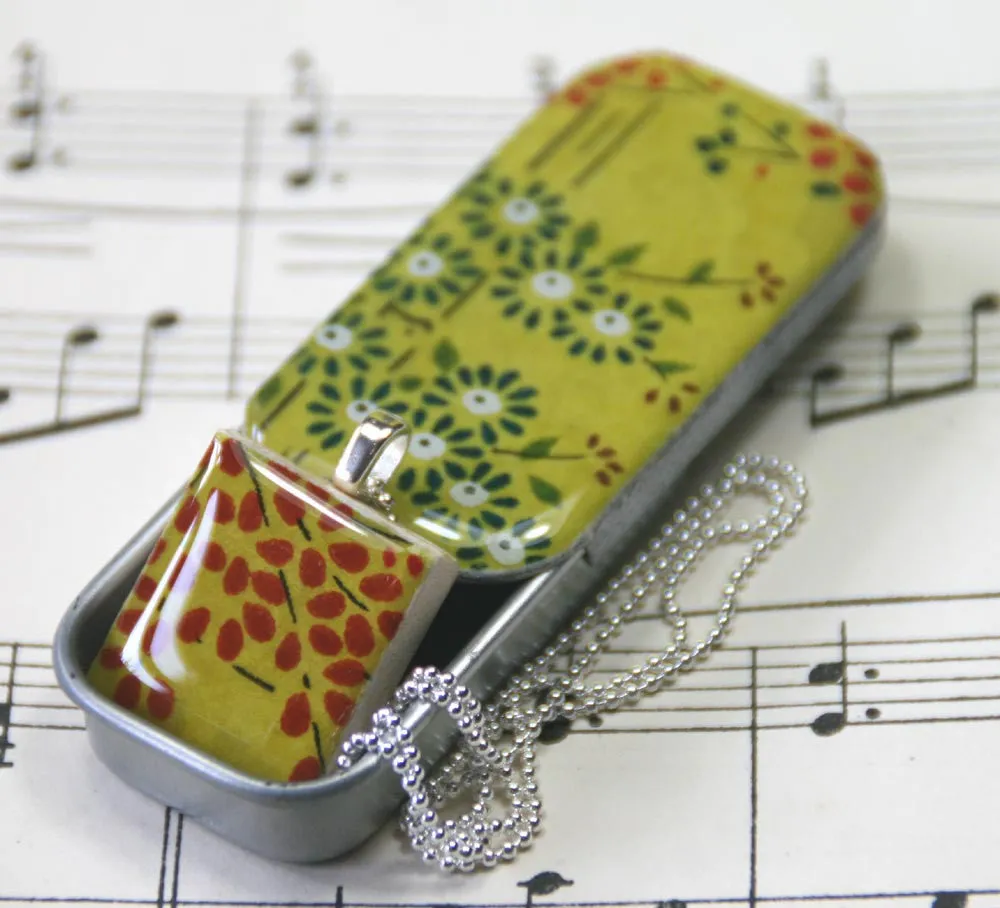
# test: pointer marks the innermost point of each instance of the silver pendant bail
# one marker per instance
(375, 450)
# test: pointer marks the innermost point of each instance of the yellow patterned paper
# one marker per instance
(260, 617)
(550, 326)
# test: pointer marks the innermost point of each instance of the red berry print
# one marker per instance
(186, 515)
(325, 640)
(128, 691)
(158, 550)
(221, 505)
(214, 558)
(306, 770)
(289, 507)
(359, 637)
(206, 457)
(576, 96)
(327, 605)
(178, 569)
(289, 652)
(237, 577)
(857, 182)
(191, 628)
(823, 157)
(128, 619)
(330, 523)
(230, 642)
(598, 78)
(865, 159)
(415, 565)
(819, 130)
(111, 658)
(388, 623)
(296, 717)
(861, 213)
(148, 636)
(250, 516)
(231, 460)
(282, 470)
(656, 78)
(269, 587)
(160, 703)
(382, 587)
(317, 491)
(627, 65)
(346, 672)
(388, 558)
(276, 551)
(339, 707)
(312, 568)
(259, 622)
(145, 588)
(351, 556)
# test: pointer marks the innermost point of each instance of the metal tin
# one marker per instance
(323, 819)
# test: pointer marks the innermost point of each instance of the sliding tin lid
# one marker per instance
(552, 326)
(278, 610)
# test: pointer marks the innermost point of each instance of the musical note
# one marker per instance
(830, 723)
(544, 883)
(78, 339)
(892, 397)
(5, 708)
(310, 123)
(29, 108)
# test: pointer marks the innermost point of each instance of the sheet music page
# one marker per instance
(186, 189)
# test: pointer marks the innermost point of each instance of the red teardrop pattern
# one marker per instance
(358, 636)
(158, 550)
(145, 588)
(325, 640)
(382, 587)
(388, 623)
(283, 470)
(289, 652)
(128, 691)
(305, 770)
(268, 586)
(296, 716)
(237, 577)
(351, 556)
(339, 707)
(259, 622)
(192, 626)
(250, 517)
(177, 569)
(187, 513)
(388, 558)
(231, 460)
(327, 605)
(318, 491)
(128, 619)
(206, 457)
(276, 551)
(111, 658)
(345, 672)
(330, 524)
(289, 508)
(160, 703)
(230, 641)
(415, 565)
(214, 558)
(312, 568)
(224, 508)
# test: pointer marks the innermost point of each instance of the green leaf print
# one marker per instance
(665, 367)
(701, 273)
(269, 390)
(825, 189)
(627, 255)
(545, 491)
(445, 356)
(675, 307)
(539, 448)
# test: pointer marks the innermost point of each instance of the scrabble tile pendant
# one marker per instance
(277, 610)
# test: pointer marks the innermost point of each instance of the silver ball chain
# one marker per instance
(497, 749)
